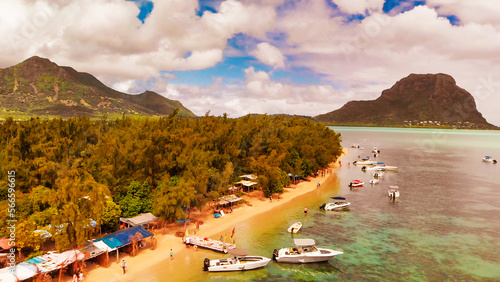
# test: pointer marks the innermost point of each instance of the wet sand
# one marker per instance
(150, 262)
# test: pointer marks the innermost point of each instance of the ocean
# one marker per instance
(444, 227)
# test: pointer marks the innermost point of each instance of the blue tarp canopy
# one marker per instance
(125, 237)
(111, 242)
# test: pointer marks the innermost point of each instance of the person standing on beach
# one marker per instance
(124, 266)
(171, 255)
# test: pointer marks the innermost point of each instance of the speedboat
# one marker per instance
(380, 166)
(340, 204)
(356, 183)
(367, 162)
(489, 159)
(238, 261)
(305, 251)
(294, 228)
(374, 181)
(393, 192)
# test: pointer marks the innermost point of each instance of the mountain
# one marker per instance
(38, 86)
(414, 100)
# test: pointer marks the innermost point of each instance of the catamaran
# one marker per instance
(305, 251)
(238, 261)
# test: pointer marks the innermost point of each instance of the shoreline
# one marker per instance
(148, 260)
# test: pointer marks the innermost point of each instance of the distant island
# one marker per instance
(418, 100)
(39, 87)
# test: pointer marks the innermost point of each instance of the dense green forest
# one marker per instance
(68, 172)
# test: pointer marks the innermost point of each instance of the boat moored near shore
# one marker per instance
(305, 251)
(238, 261)
(341, 203)
(489, 159)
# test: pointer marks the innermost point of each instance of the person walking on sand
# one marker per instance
(80, 277)
(124, 266)
(171, 255)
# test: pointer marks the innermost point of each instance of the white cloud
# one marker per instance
(359, 6)
(361, 58)
(104, 37)
(381, 49)
(269, 55)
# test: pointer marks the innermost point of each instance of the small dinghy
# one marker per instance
(489, 159)
(374, 181)
(393, 192)
(295, 228)
(356, 183)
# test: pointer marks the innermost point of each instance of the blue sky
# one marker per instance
(231, 69)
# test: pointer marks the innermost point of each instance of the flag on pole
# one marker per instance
(185, 229)
(232, 233)
(197, 224)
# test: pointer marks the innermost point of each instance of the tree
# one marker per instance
(138, 200)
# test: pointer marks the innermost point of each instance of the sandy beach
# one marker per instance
(150, 261)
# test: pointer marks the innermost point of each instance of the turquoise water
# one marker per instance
(445, 226)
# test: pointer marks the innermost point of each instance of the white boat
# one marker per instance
(340, 204)
(379, 166)
(208, 243)
(238, 261)
(367, 162)
(305, 251)
(378, 174)
(374, 181)
(489, 159)
(294, 228)
(356, 183)
(393, 192)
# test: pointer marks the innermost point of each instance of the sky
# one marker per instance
(304, 57)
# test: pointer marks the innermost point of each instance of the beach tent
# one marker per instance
(22, 271)
(126, 236)
(141, 219)
(92, 250)
(53, 260)
(123, 237)
(4, 244)
(247, 184)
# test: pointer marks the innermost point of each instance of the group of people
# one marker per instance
(78, 276)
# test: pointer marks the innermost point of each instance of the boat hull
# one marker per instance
(295, 227)
(335, 206)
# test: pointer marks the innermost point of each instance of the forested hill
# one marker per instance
(39, 87)
(414, 100)
(70, 171)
